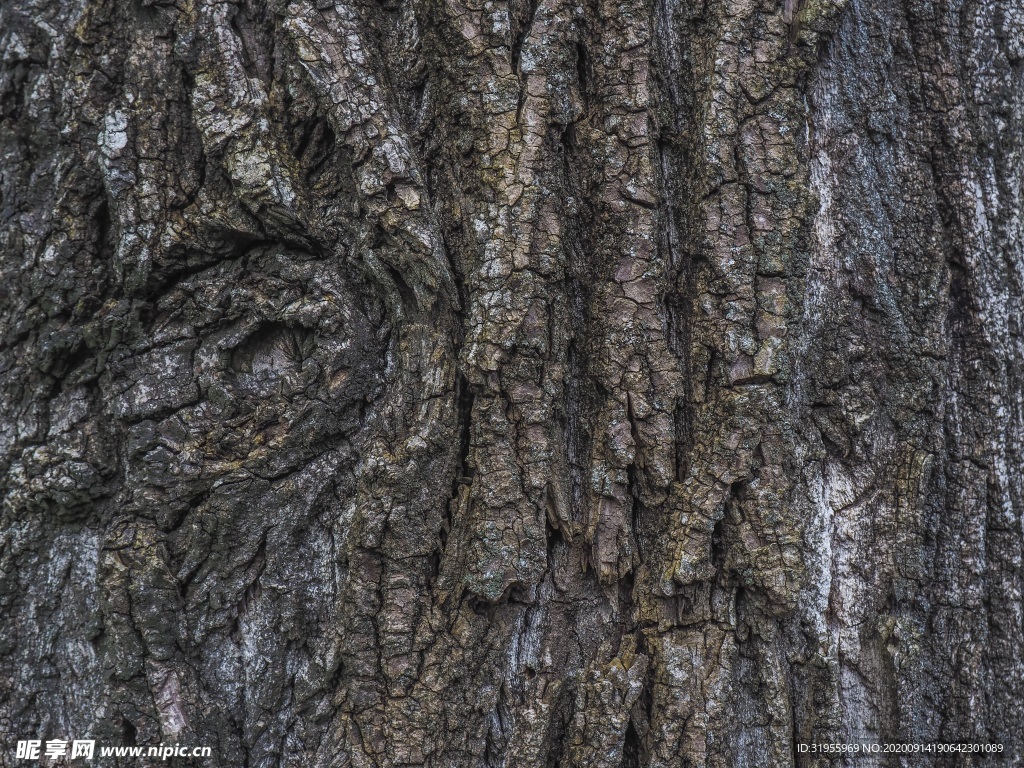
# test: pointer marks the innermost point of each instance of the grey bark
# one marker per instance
(531, 384)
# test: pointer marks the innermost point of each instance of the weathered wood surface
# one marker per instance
(551, 384)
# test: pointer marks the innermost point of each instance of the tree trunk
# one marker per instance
(512, 383)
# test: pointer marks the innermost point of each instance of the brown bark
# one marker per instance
(535, 384)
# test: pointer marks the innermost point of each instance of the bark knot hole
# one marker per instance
(272, 351)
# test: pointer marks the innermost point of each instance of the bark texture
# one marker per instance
(512, 383)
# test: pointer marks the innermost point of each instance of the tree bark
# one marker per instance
(512, 383)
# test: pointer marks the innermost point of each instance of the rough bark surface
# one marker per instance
(512, 383)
